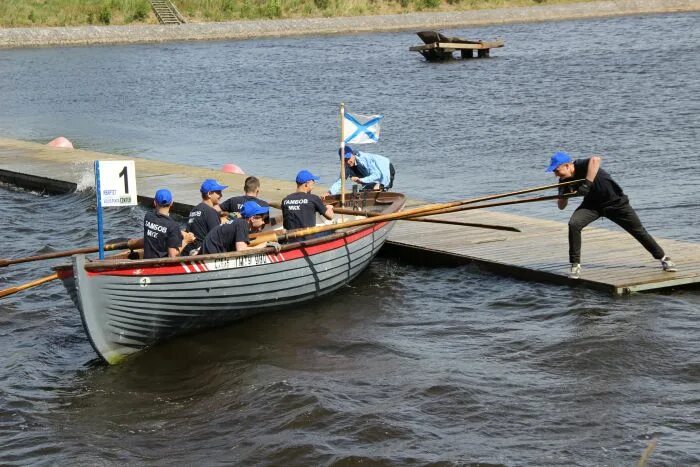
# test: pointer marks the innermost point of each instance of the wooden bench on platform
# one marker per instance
(439, 47)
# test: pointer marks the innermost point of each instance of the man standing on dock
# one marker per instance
(204, 217)
(372, 171)
(603, 197)
(162, 237)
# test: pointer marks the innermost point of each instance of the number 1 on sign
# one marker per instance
(124, 173)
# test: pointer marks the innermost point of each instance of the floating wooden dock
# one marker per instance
(613, 261)
(438, 47)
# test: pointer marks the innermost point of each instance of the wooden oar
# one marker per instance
(500, 203)
(434, 221)
(133, 244)
(423, 210)
(28, 285)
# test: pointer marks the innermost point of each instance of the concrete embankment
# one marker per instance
(94, 35)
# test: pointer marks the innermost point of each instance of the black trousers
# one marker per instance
(622, 215)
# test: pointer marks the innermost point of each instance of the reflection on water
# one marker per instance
(407, 365)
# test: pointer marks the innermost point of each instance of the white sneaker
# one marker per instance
(668, 265)
(575, 272)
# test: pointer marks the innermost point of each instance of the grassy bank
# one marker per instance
(23, 13)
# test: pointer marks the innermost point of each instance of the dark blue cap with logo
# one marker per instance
(558, 159)
(304, 176)
(348, 153)
(163, 197)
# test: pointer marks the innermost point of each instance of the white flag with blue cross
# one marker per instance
(361, 129)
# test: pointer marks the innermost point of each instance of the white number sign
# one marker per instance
(117, 183)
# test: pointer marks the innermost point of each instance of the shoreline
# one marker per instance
(239, 30)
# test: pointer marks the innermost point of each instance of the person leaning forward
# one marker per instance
(299, 208)
(234, 236)
(161, 235)
(203, 217)
(602, 197)
(372, 171)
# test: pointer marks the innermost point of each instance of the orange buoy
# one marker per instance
(232, 169)
(60, 142)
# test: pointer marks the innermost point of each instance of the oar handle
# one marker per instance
(28, 285)
(132, 244)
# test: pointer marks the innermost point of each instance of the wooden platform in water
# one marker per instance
(438, 47)
(612, 259)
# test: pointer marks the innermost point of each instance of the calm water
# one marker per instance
(408, 365)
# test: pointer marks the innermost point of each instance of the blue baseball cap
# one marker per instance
(163, 197)
(348, 152)
(558, 159)
(304, 176)
(211, 185)
(251, 208)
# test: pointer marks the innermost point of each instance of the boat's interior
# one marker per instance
(366, 204)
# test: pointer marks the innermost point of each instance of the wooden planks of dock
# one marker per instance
(612, 260)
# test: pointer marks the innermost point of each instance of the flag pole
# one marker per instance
(342, 155)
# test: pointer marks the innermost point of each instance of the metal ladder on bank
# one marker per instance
(166, 12)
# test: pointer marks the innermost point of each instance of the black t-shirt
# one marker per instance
(299, 210)
(234, 204)
(203, 218)
(605, 191)
(160, 232)
(224, 237)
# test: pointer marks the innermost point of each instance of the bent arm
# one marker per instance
(375, 175)
(562, 202)
(329, 212)
(593, 166)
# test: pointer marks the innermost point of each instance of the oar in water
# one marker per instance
(28, 285)
(419, 211)
(133, 244)
(434, 221)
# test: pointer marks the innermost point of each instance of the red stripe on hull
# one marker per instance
(189, 266)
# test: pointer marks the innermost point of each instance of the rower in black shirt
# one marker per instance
(299, 208)
(203, 217)
(251, 188)
(162, 237)
(234, 236)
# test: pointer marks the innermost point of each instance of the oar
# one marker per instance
(423, 210)
(133, 244)
(500, 203)
(28, 285)
(434, 221)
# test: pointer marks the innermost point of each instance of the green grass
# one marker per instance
(22, 13)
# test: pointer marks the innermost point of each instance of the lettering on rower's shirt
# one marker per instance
(154, 229)
(294, 204)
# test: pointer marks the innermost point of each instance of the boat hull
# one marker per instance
(125, 310)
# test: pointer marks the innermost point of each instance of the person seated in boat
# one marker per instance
(372, 171)
(299, 208)
(251, 190)
(162, 237)
(234, 236)
(204, 217)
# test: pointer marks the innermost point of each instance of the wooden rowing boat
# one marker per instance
(128, 305)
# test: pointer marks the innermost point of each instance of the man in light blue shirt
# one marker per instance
(372, 171)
